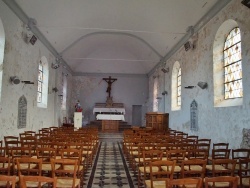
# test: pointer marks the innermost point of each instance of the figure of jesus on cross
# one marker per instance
(109, 80)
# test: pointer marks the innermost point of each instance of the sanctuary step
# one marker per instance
(123, 125)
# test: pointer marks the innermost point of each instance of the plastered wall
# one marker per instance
(21, 59)
(221, 124)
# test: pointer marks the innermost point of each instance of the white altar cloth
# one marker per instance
(108, 110)
(110, 117)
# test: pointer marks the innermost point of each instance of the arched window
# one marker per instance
(155, 94)
(227, 65)
(179, 87)
(2, 44)
(176, 87)
(43, 77)
(232, 65)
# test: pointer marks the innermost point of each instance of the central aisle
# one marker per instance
(110, 169)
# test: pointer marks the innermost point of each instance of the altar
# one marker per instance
(106, 110)
(110, 117)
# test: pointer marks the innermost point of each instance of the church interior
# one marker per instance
(111, 88)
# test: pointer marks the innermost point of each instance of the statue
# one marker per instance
(109, 80)
(78, 107)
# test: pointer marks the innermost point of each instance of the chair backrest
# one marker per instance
(10, 181)
(193, 168)
(221, 181)
(185, 182)
(62, 172)
(29, 166)
(161, 168)
(37, 181)
(221, 145)
(241, 153)
(46, 154)
(198, 154)
(223, 167)
(5, 165)
(221, 153)
(176, 154)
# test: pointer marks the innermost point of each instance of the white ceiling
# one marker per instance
(115, 36)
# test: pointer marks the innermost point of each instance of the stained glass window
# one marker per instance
(179, 87)
(233, 65)
(40, 83)
(22, 112)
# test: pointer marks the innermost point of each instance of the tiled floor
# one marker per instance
(110, 168)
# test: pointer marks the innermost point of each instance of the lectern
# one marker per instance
(78, 119)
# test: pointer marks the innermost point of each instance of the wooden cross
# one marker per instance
(109, 80)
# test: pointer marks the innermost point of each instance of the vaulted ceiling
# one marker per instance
(114, 36)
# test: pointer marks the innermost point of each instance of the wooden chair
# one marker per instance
(74, 153)
(5, 166)
(37, 181)
(244, 172)
(159, 172)
(11, 141)
(65, 177)
(29, 166)
(46, 154)
(185, 182)
(221, 181)
(8, 181)
(177, 155)
(222, 167)
(144, 167)
(239, 154)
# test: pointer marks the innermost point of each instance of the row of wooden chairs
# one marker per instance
(183, 149)
(48, 154)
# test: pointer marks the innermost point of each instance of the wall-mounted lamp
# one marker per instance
(14, 80)
(164, 93)
(202, 85)
(56, 65)
(55, 89)
(165, 70)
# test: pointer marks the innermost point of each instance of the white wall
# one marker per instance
(129, 90)
(221, 124)
(21, 59)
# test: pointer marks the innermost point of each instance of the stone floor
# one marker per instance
(110, 168)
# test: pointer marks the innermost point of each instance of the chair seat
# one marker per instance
(134, 152)
(245, 181)
(219, 184)
(66, 182)
(26, 166)
(34, 184)
(217, 167)
(156, 184)
(193, 167)
(147, 169)
(140, 159)
(47, 167)
(176, 168)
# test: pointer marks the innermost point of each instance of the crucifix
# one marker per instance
(109, 80)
